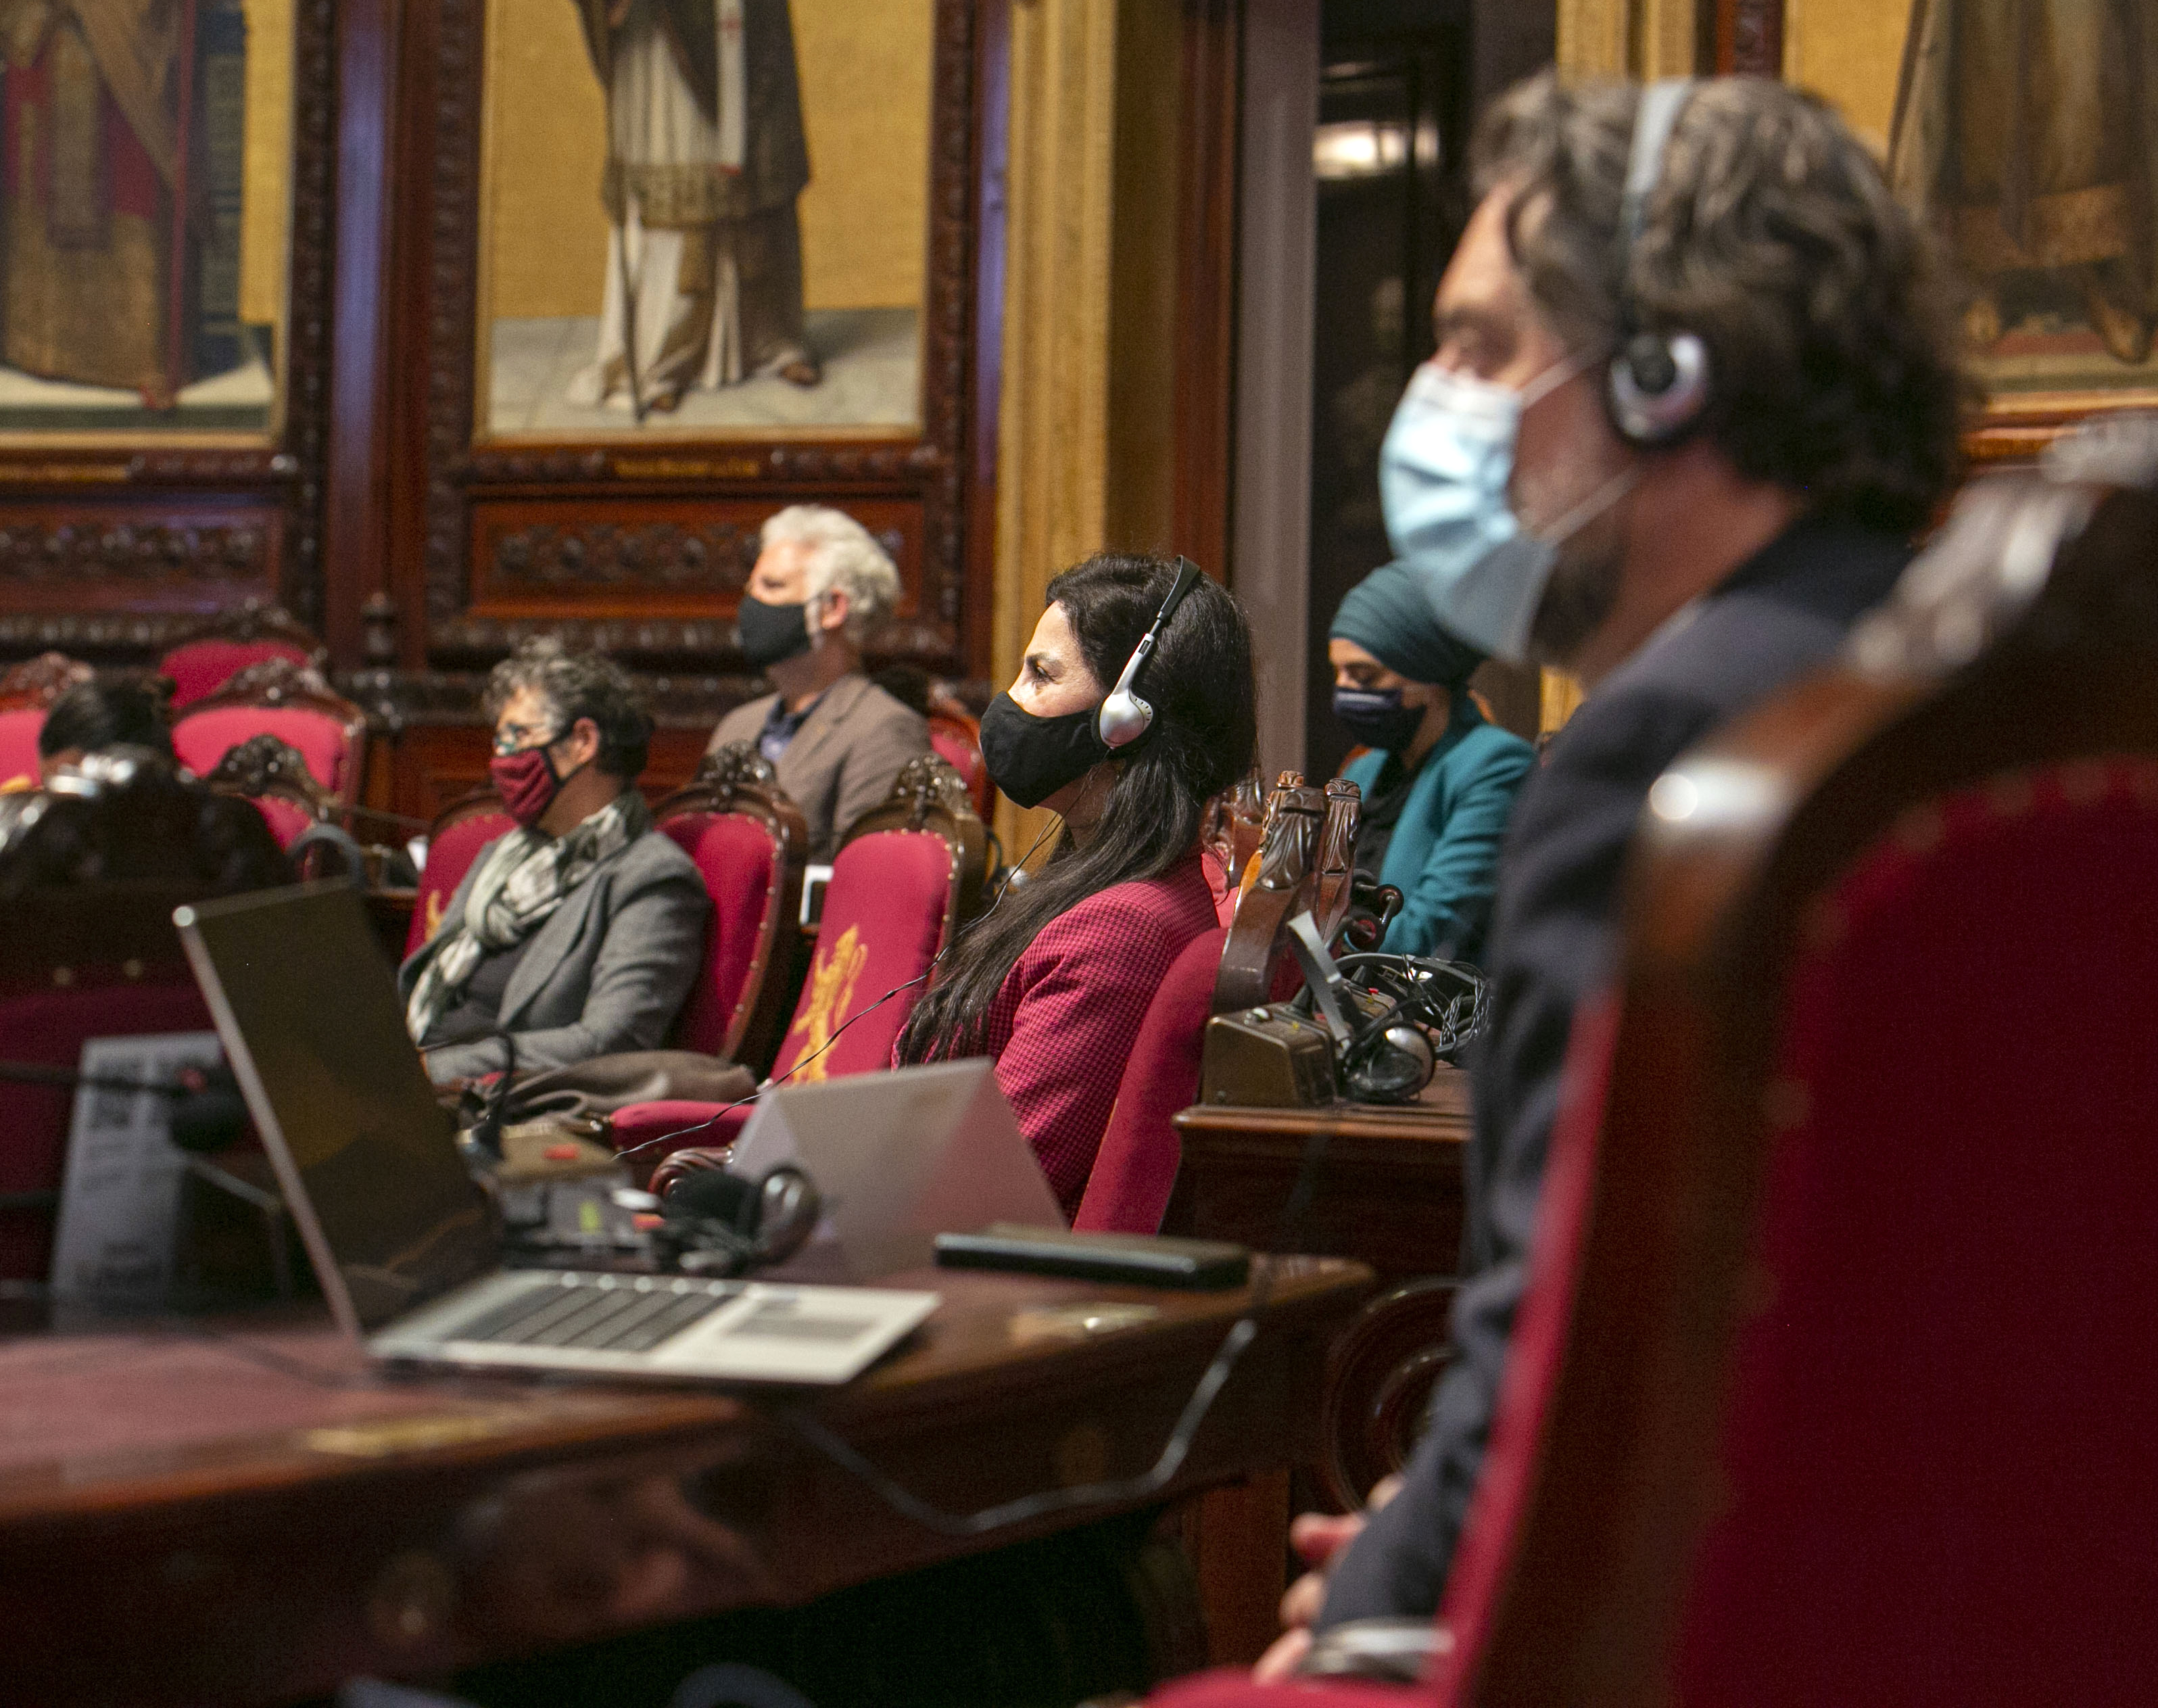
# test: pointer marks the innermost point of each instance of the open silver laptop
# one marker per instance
(404, 1241)
(899, 1159)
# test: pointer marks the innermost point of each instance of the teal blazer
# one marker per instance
(1444, 856)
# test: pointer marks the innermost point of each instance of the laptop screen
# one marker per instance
(308, 1010)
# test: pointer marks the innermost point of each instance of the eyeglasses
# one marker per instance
(515, 738)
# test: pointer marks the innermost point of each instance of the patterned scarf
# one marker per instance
(526, 876)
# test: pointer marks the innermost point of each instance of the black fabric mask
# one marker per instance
(1031, 758)
(771, 634)
(1377, 717)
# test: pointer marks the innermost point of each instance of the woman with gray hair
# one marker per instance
(579, 933)
(821, 587)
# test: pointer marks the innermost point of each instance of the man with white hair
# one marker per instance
(821, 587)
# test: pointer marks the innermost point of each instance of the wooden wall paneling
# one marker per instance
(1053, 422)
(658, 556)
(1209, 111)
(992, 50)
(111, 544)
(1276, 247)
(448, 476)
(356, 532)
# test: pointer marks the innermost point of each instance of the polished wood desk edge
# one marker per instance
(1393, 1121)
(501, 1430)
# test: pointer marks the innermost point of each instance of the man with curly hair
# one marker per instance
(1695, 394)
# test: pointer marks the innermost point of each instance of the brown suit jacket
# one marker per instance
(842, 761)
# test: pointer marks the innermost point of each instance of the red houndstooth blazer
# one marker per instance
(1067, 1016)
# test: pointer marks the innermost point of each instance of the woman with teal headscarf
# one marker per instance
(1438, 781)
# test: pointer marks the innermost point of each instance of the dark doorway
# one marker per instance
(1387, 161)
(1397, 85)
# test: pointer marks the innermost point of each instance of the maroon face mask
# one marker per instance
(527, 782)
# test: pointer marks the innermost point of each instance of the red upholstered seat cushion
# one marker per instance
(739, 861)
(1129, 1189)
(204, 738)
(884, 917)
(1938, 1477)
(18, 745)
(645, 1134)
(49, 1025)
(201, 668)
(450, 856)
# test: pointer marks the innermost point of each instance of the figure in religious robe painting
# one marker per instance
(117, 113)
(706, 157)
(2027, 130)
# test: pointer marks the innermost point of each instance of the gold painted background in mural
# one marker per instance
(702, 216)
(2027, 131)
(144, 209)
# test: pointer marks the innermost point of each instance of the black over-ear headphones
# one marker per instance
(1658, 382)
(1124, 717)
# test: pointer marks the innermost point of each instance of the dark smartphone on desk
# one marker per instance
(1145, 1260)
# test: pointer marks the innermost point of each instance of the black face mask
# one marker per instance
(1377, 717)
(1031, 758)
(771, 634)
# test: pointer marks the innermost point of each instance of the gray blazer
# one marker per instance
(607, 971)
(842, 761)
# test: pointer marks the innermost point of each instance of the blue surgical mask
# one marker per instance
(1442, 476)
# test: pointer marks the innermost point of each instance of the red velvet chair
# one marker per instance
(19, 747)
(1834, 1380)
(88, 884)
(277, 697)
(907, 876)
(460, 832)
(750, 844)
(956, 734)
(1128, 1188)
(203, 660)
(27, 689)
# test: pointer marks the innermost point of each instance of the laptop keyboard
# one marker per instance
(597, 1313)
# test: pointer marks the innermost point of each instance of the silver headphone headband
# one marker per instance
(1654, 122)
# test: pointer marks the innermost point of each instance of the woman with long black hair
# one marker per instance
(1055, 980)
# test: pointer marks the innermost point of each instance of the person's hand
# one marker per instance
(1318, 1537)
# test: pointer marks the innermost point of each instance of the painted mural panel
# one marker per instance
(145, 191)
(703, 217)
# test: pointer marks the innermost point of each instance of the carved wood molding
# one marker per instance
(40, 681)
(735, 766)
(159, 482)
(32, 550)
(1380, 1374)
(264, 765)
(256, 620)
(397, 699)
(451, 472)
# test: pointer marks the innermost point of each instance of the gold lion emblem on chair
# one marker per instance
(832, 979)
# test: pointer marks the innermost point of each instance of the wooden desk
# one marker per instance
(252, 1518)
(1388, 1193)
